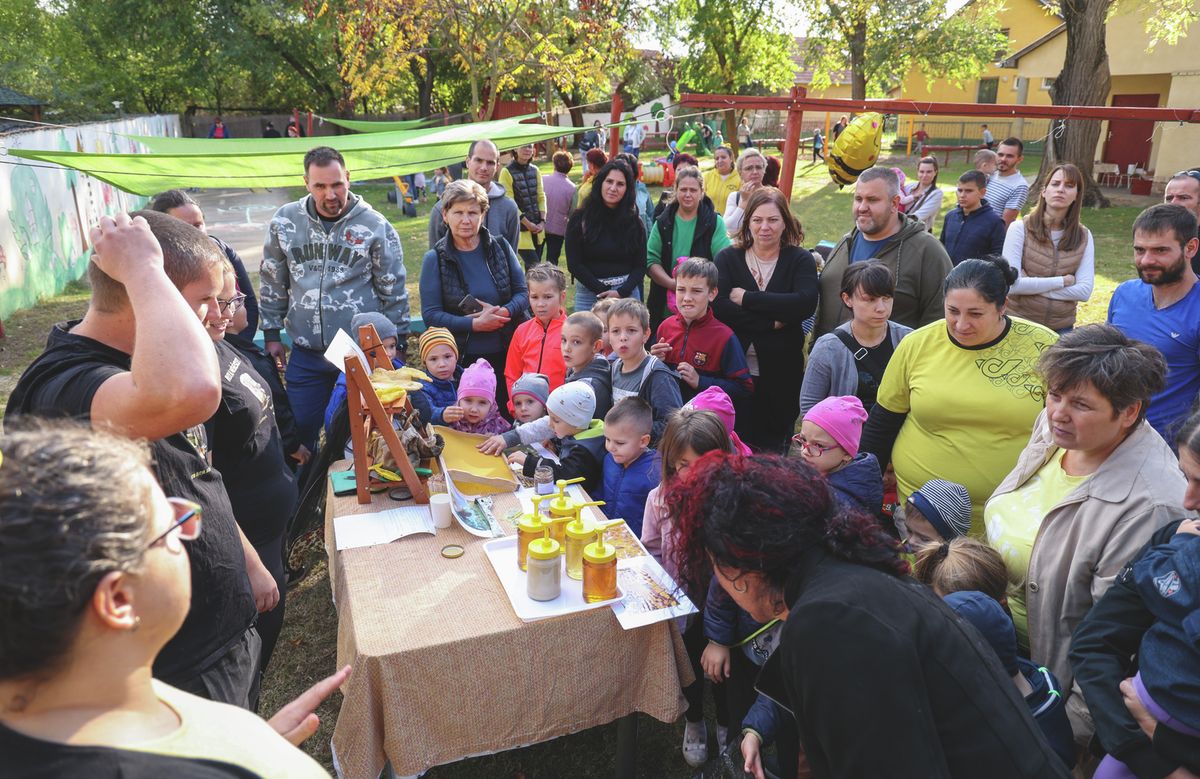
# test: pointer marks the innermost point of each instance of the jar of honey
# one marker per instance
(529, 528)
(543, 577)
(599, 570)
(578, 533)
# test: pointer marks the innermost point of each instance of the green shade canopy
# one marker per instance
(367, 126)
(278, 162)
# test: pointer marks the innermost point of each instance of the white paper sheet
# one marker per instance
(382, 527)
(341, 346)
(651, 595)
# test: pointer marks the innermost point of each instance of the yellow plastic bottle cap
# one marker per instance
(452, 551)
(544, 548)
(530, 523)
(581, 528)
(599, 552)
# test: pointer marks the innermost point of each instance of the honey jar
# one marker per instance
(599, 570)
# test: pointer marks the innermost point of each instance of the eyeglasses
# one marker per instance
(188, 516)
(233, 305)
(810, 448)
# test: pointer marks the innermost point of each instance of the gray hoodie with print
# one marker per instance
(314, 278)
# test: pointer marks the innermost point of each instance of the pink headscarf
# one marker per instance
(715, 399)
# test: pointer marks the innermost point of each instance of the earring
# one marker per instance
(137, 623)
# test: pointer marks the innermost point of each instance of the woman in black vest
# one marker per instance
(472, 283)
(767, 288)
(606, 240)
(689, 227)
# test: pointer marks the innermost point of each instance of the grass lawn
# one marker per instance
(308, 646)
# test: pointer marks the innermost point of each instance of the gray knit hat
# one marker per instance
(573, 403)
(383, 325)
(535, 385)
(946, 505)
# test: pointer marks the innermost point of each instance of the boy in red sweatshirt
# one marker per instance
(700, 347)
(536, 344)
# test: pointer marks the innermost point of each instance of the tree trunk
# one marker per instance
(858, 62)
(571, 100)
(424, 78)
(730, 131)
(1084, 80)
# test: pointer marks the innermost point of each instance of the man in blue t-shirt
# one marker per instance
(1162, 308)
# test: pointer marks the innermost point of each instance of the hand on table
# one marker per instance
(494, 445)
(451, 414)
(661, 349)
(688, 373)
(715, 662)
(518, 458)
(752, 754)
(297, 720)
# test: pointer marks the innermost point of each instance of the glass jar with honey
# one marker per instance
(599, 570)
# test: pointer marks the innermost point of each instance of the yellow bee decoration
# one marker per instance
(856, 149)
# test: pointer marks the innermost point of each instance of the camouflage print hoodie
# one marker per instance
(315, 279)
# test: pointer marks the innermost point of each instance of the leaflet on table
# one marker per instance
(651, 595)
(382, 527)
(341, 347)
(474, 514)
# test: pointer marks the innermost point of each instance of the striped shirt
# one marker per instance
(1004, 192)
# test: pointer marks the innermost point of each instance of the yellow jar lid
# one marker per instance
(563, 507)
(599, 552)
(530, 523)
(581, 528)
(544, 548)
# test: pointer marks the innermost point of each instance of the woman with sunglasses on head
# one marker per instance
(94, 580)
(248, 451)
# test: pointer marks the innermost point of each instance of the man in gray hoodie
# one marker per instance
(503, 217)
(917, 259)
(328, 256)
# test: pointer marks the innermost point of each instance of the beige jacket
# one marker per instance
(1086, 539)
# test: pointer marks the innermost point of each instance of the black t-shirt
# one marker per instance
(247, 450)
(31, 758)
(871, 363)
(62, 382)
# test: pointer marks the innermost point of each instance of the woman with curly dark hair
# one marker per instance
(882, 678)
(606, 239)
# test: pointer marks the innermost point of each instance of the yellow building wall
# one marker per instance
(1026, 21)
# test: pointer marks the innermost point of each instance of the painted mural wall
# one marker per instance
(46, 211)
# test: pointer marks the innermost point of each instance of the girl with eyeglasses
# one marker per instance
(828, 441)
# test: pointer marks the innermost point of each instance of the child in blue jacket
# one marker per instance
(439, 355)
(631, 468)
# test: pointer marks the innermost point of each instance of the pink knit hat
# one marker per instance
(478, 381)
(715, 400)
(841, 417)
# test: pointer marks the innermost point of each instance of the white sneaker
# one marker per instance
(722, 738)
(695, 743)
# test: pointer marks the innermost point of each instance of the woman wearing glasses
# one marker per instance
(179, 204)
(94, 580)
(248, 451)
(751, 167)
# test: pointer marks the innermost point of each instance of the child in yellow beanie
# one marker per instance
(439, 355)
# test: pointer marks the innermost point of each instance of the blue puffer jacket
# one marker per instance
(859, 484)
(624, 489)
(442, 393)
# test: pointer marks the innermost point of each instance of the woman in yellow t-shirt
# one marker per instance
(1090, 488)
(94, 580)
(960, 395)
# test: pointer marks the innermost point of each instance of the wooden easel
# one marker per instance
(367, 412)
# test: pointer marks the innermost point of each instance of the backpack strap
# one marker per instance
(857, 350)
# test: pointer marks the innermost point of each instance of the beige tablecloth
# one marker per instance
(444, 669)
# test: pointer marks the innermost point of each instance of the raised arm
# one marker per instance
(173, 382)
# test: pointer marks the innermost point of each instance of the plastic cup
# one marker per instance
(439, 504)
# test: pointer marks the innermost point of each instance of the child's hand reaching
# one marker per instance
(661, 349)
(517, 458)
(1191, 526)
(494, 445)
(715, 662)
(452, 414)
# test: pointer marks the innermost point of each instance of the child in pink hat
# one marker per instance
(828, 441)
(477, 398)
(716, 400)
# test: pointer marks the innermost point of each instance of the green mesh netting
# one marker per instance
(367, 126)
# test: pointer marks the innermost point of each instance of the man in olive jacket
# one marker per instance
(918, 260)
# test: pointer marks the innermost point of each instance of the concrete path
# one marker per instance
(239, 217)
